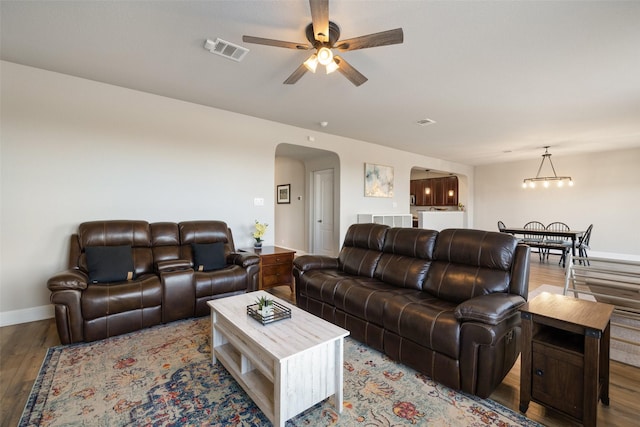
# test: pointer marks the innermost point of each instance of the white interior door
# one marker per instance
(323, 241)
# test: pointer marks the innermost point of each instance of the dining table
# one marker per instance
(574, 235)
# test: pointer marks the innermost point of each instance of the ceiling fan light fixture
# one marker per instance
(323, 36)
(312, 63)
(325, 56)
(331, 67)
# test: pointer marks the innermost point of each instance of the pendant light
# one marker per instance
(547, 180)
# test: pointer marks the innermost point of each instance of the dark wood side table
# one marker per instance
(565, 355)
(276, 266)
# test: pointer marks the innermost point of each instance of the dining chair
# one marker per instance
(533, 240)
(583, 244)
(557, 243)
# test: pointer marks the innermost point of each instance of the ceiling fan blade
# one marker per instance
(354, 76)
(320, 19)
(296, 75)
(372, 40)
(276, 43)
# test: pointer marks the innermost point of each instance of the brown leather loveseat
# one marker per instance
(123, 275)
(446, 304)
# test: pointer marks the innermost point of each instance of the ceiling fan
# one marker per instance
(323, 36)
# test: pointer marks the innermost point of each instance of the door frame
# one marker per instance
(312, 210)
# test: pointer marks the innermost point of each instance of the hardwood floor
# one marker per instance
(23, 347)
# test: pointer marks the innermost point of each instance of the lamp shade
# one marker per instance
(312, 63)
(325, 56)
(331, 67)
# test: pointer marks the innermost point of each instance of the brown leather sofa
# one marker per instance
(164, 284)
(446, 304)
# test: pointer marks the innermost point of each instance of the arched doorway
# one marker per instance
(296, 222)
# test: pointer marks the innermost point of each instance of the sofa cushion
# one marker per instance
(458, 282)
(364, 297)
(402, 271)
(208, 256)
(100, 300)
(425, 320)
(136, 234)
(232, 278)
(115, 232)
(478, 248)
(367, 236)
(407, 257)
(359, 261)
(412, 242)
(469, 263)
(109, 263)
(203, 232)
(165, 241)
(321, 284)
(362, 248)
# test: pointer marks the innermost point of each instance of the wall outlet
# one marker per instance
(258, 201)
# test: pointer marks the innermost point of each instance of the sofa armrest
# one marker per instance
(314, 262)
(72, 279)
(491, 309)
(243, 259)
(173, 265)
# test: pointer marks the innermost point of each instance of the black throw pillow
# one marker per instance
(208, 256)
(109, 263)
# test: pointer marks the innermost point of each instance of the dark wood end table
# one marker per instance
(565, 355)
(276, 266)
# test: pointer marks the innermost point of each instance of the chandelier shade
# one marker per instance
(547, 180)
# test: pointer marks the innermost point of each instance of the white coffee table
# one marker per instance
(286, 366)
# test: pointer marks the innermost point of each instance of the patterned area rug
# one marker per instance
(163, 376)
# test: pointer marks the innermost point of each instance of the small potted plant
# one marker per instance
(261, 228)
(265, 306)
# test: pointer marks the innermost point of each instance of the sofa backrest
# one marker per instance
(204, 232)
(406, 258)
(362, 249)
(136, 234)
(165, 241)
(150, 243)
(468, 263)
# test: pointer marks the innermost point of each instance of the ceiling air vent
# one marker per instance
(425, 122)
(226, 49)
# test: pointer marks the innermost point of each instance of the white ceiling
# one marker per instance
(500, 78)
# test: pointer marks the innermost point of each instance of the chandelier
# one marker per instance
(546, 180)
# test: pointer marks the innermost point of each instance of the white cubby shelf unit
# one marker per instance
(392, 220)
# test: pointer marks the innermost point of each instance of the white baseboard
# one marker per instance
(612, 255)
(25, 315)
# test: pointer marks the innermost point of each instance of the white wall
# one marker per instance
(606, 194)
(74, 150)
(290, 228)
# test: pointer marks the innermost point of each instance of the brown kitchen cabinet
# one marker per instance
(449, 191)
(435, 191)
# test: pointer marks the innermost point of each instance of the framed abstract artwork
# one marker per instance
(378, 180)
(283, 193)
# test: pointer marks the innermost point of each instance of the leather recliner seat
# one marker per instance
(165, 285)
(446, 304)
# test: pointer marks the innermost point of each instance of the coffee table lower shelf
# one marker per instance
(256, 385)
(281, 381)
